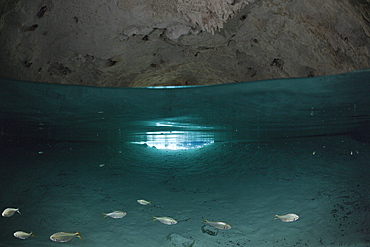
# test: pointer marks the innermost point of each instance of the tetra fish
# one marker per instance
(165, 220)
(63, 237)
(144, 202)
(218, 224)
(287, 217)
(22, 235)
(10, 211)
(115, 214)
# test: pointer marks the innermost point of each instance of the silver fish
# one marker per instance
(63, 237)
(287, 217)
(165, 220)
(10, 211)
(115, 214)
(22, 235)
(144, 202)
(218, 224)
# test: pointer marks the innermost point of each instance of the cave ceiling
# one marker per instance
(139, 43)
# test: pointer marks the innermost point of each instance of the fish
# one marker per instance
(10, 211)
(63, 237)
(165, 220)
(287, 217)
(144, 202)
(218, 224)
(22, 235)
(115, 214)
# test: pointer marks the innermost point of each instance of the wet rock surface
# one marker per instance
(157, 43)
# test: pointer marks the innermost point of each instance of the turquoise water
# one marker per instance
(237, 153)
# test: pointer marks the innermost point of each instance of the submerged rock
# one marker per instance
(179, 241)
(209, 230)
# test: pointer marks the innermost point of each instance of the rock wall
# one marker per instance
(136, 43)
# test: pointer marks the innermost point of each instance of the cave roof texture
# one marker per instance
(140, 43)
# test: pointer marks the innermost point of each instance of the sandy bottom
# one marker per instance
(65, 187)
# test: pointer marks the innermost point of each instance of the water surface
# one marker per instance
(237, 153)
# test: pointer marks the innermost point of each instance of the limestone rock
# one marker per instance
(174, 32)
(139, 43)
(209, 230)
(179, 241)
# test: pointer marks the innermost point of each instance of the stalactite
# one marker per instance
(209, 15)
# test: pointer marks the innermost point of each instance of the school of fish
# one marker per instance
(63, 237)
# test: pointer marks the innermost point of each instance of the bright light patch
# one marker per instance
(175, 135)
(180, 125)
(176, 140)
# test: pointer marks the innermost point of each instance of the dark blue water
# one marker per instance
(238, 153)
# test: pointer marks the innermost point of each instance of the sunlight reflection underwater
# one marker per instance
(176, 140)
(172, 135)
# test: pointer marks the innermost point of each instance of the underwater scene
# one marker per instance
(269, 163)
